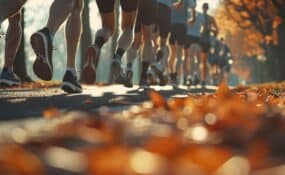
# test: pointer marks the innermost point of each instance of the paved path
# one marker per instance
(24, 102)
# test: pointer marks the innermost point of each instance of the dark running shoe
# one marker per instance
(116, 72)
(129, 79)
(173, 79)
(196, 79)
(89, 68)
(9, 78)
(70, 83)
(144, 83)
(203, 84)
(42, 45)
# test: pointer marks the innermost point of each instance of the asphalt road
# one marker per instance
(21, 103)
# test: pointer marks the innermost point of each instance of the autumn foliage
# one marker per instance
(233, 129)
(249, 25)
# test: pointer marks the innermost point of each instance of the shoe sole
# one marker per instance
(41, 68)
(70, 88)
(8, 83)
(89, 70)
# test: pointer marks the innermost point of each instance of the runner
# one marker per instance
(215, 56)
(162, 30)
(209, 26)
(11, 10)
(144, 33)
(106, 8)
(179, 18)
(42, 42)
(192, 50)
(225, 62)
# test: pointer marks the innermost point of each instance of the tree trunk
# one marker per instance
(20, 60)
(86, 38)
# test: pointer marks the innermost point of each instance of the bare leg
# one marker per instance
(187, 62)
(59, 12)
(127, 35)
(148, 48)
(13, 38)
(178, 63)
(73, 33)
(172, 58)
(9, 8)
(204, 57)
(132, 52)
(103, 34)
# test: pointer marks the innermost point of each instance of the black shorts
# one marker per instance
(177, 34)
(205, 45)
(190, 39)
(146, 14)
(163, 20)
(107, 6)
(213, 59)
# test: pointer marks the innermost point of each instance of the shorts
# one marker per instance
(163, 20)
(146, 14)
(107, 6)
(213, 59)
(190, 39)
(205, 45)
(177, 34)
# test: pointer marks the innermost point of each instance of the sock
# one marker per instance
(72, 70)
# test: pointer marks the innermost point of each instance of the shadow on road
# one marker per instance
(18, 104)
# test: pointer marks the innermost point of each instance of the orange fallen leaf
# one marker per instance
(51, 112)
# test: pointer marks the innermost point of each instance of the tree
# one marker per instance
(258, 26)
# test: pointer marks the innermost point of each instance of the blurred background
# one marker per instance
(254, 30)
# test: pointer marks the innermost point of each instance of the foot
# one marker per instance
(89, 68)
(42, 45)
(116, 71)
(129, 79)
(196, 80)
(9, 78)
(173, 80)
(188, 81)
(203, 84)
(144, 83)
(70, 83)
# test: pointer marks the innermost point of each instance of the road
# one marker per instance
(19, 103)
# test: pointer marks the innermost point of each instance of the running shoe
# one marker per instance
(129, 78)
(9, 78)
(89, 68)
(70, 83)
(42, 45)
(116, 71)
